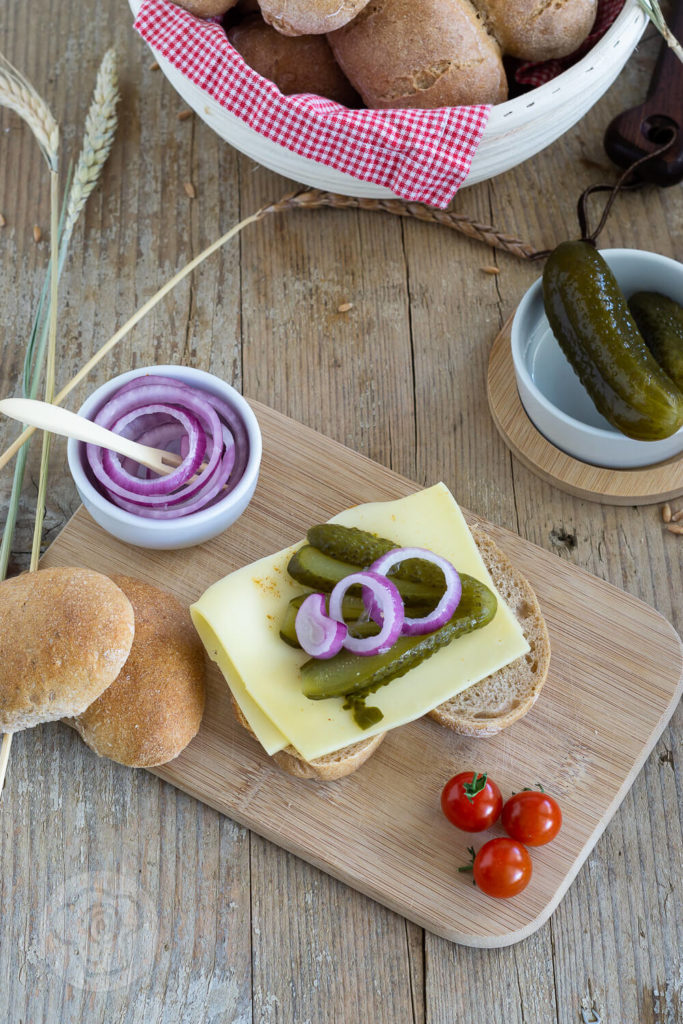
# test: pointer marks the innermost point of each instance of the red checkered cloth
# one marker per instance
(421, 155)
(538, 74)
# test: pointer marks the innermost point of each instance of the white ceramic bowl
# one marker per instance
(551, 393)
(516, 130)
(185, 531)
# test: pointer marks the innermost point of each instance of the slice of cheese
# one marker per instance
(241, 615)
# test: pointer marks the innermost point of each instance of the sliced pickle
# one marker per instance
(348, 674)
(352, 607)
(349, 544)
(315, 569)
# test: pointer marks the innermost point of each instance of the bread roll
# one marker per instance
(65, 634)
(536, 32)
(296, 64)
(420, 53)
(494, 703)
(309, 17)
(155, 705)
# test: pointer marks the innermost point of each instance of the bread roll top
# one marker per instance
(65, 634)
(420, 53)
(155, 706)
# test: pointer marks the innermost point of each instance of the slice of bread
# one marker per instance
(494, 703)
(483, 709)
(325, 769)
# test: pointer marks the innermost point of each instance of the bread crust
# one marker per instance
(495, 703)
(154, 707)
(206, 8)
(65, 634)
(420, 53)
(324, 769)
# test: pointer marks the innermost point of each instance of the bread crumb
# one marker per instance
(345, 307)
(490, 269)
(189, 189)
(153, 66)
(37, 233)
(183, 115)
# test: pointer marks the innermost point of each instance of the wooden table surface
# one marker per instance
(125, 900)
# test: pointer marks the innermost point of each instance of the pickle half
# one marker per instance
(346, 674)
(660, 321)
(590, 318)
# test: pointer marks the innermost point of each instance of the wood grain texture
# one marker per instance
(650, 485)
(614, 681)
(239, 930)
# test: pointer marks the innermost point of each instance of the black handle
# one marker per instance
(642, 130)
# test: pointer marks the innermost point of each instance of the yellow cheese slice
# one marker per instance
(244, 610)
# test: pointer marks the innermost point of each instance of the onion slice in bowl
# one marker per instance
(319, 635)
(168, 413)
(385, 598)
(449, 600)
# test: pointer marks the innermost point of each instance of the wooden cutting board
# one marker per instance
(615, 678)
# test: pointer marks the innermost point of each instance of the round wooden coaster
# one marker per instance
(644, 486)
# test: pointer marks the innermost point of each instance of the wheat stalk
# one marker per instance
(654, 13)
(18, 94)
(100, 127)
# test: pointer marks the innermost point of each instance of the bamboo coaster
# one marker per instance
(645, 486)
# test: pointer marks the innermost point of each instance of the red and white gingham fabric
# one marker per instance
(421, 155)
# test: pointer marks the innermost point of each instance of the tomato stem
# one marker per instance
(470, 866)
(470, 789)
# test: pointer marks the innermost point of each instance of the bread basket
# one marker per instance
(515, 131)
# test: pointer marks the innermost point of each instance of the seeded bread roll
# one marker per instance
(296, 64)
(420, 53)
(154, 707)
(309, 17)
(65, 634)
(538, 31)
(493, 704)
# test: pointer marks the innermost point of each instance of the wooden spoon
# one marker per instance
(70, 424)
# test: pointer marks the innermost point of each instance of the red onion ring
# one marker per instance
(389, 605)
(319, 635)
(167, 413)
(449, 600)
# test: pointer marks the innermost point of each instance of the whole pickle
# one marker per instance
(660, 321)
(590, 318)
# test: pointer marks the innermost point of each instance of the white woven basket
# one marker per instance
(516, 130)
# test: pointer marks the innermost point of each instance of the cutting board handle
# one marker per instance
(641, 130)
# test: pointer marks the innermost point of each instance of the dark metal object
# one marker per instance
(659, 120)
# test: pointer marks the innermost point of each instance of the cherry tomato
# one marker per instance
(532, 817)
(502, 868)
(471, 802)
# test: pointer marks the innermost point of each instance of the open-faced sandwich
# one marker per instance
(330, 643)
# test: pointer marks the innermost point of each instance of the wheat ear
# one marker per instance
(654, 13)
(100, 127)
(18, 94)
